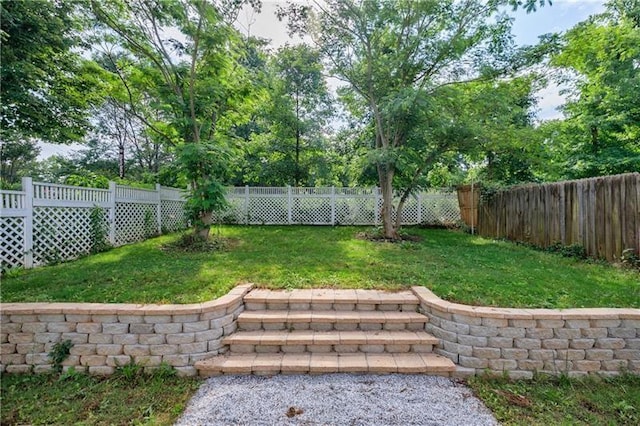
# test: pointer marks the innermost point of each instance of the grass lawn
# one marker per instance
(456, 266)
(85, 400)
(159, 400)
(561, 401)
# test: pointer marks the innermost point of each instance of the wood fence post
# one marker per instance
(112, 213)
(159, 208)
(27, 188)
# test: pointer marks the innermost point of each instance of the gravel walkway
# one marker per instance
(335, 399)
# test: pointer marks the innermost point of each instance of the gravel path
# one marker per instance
(335, 399)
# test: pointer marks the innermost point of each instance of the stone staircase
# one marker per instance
(329, 331)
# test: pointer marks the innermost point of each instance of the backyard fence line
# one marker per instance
(46, 223)
(601, 214)
(333, 206)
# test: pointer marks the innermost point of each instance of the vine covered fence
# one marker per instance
(46, 223)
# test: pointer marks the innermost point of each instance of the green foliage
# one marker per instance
(576, 251)
(630, 258)
(404, 63)
(190, 98)
(87, 179)
(47, 86)
(601, 132)
(201, 164)
(561, 400)
(457, 266)
(98, 230)
(149, 223)
(16, 158)
(59, 353)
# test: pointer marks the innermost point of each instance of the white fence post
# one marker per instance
(289, 215)
(159, 208)
(376, 208)
(112, 213)
(333, 205)
(27, 188)
(246, 204)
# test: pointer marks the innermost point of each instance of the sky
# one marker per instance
(560, 16)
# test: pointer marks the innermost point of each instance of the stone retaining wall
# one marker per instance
(105, 336)
(523, 341)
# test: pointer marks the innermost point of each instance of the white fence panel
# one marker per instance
(332, 206)
(48, 222)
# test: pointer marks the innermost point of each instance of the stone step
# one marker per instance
(317, 363)
(331, 320)
(270, 341)
(327, 299)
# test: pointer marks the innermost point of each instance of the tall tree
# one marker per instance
(399, 59)
(601, 132)
(301, 98)
(187, 55)
(47, 87)
(15, 159)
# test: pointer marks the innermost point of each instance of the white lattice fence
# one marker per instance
(47, 223)
(135, 222)
(333, 206)
(63, 233)
(12, 237)
(13, 227)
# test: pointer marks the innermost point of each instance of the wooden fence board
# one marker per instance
(602, 214)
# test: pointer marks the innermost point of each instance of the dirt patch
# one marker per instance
(378, 237)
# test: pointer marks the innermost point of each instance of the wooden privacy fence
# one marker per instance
(601, 214)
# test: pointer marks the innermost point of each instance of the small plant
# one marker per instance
(630, 258)
(150, 228)
(576, 251)
(98, 230)
(130, 371)
(59, 353)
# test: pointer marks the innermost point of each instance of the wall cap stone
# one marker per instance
(234, 296)
(430, 299)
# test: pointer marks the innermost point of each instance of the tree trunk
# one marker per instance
(297, 171)
(202, 228)
(121, 159)
(385, 176)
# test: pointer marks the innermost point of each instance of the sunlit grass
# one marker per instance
(456, 266)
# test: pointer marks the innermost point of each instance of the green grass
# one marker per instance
(80, 399)
(561, 401)
(456, 266)
(124, 399)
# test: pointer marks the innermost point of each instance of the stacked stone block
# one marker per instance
(522, 342)
(106, 336)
